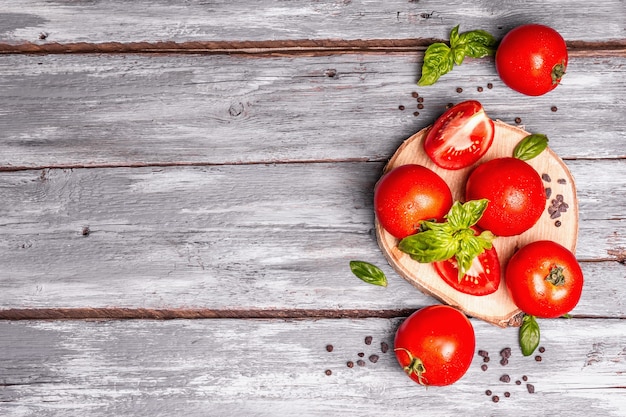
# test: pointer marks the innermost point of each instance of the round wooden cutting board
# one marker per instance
(496, 308)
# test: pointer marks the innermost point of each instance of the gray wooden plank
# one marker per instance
(144, 20)
(134, 110)
(238, 237)
(277, 368)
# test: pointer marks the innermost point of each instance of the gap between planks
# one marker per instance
(280, 47)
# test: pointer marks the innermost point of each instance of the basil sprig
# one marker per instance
(529, 335)
(531, 146)
(452, 238)
(440, 58)
(369, 273)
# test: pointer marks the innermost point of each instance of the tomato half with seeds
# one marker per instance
(515, 191)
(460, 136)
(532, 59)
(407, 195)
(435, 345)
(483, 277)
(544, 279)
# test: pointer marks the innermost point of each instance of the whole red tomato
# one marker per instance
(435, 345)
(544, 279)
(531, 59)
(515, 191)
(460, 136)
(408, 194)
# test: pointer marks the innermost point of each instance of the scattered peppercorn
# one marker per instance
(530, 388)
(449, 105)
(350, 364)
(368, 340)
(401, 107)
(384, 347)
(562, 181)
(483, 353)
(546, 177)
(488, 392)
(557, 223)
(553, 108)
(486, 359)
(504, 362)
(525, 378)
(518, 120)
(420, 99)
(479, 89)
(506, 352)
(507, 394)
(548, 192)
(505, 378)
(420, 106)
(542, 349)
(360, 362)
(361, 354)
(329, 348)
(495, 398)
(415, 94)
(538, 358)
(416, 113)
(518, 382)
(459, 90)
(373, 358)
(490, 85)
(328, 372)
(484, 367)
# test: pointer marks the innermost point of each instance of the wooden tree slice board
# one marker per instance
(496, 308)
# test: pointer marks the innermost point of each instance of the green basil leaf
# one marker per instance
(368, 273)
(531, 146)
(477, 43)
(430, 245)
(455, 38)
(438, 60)
(470, 246)
(529, 335)
(463, 216)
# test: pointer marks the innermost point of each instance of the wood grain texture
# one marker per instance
(94, 110)
(243, 236)
(277, 368)
(182, 21)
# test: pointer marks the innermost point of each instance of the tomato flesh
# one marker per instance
(483, 278)
(544, 279)
(407, 195)
(460, 136)
(515, 191)
(435, 345)
(532, 59)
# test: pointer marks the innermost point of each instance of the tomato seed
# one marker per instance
(329, 348)
(384, 347)
(360, 362)
(530, 388)
(350, 364)
(328, 372)
(368, 340)
(401, 107)
(505, 378)
(373, 358)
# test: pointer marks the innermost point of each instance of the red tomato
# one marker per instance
(435, 345)
(544, 279)
(407, 195)
(460, 136)
(515, 192)
(531, 59)
(483, 277)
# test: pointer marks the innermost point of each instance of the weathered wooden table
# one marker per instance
(183, 184)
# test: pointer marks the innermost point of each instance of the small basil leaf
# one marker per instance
(478, 43)
(455, 38)
(368, 273)
(529, 335)
(463, 216)
(438, 60)
(531, 146)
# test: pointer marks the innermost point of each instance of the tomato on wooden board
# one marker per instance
(515, 192)
(483, 277)
(407, 195)
(435, 345)
(532, 59)
(544, 279)
(460, 136)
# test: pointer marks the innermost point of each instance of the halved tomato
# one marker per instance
(483, 278)
(460, 136)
